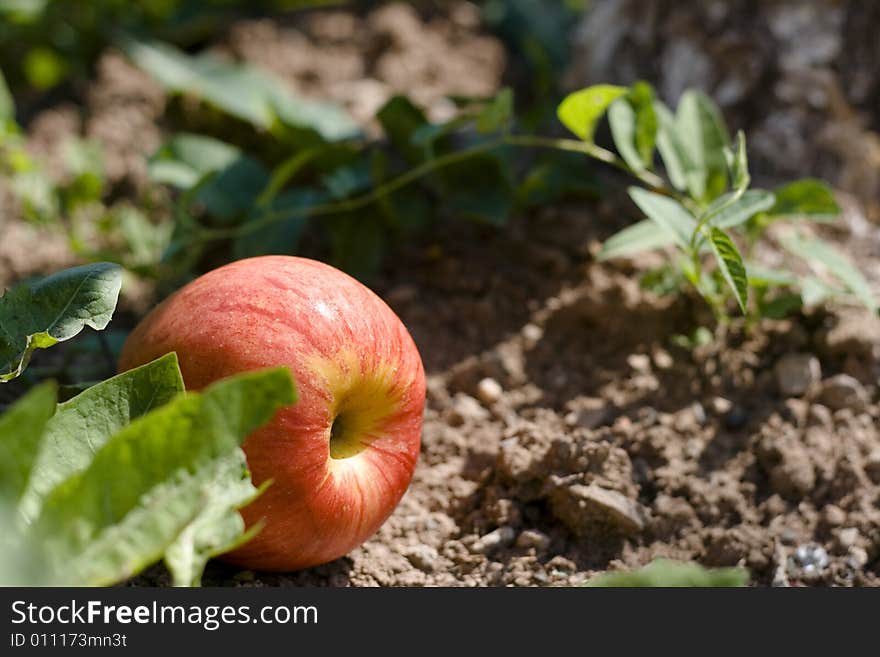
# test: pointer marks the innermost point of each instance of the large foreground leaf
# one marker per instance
(84, 424)
(153, 479)
(21, 428)
(41, 313)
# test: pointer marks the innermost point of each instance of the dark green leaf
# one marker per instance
(283, 234)
(357, 242)
(479, 188)
(497, 114)
(39, 314)
(233, 191)
(731, 264)
(582, 110)
(668, 573)
(805, 198)
(555, 175)
(7, 104)
(400, 118)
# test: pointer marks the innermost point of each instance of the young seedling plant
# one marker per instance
(704, 208)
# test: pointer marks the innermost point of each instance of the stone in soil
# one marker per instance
(843, 391)
(797, 373)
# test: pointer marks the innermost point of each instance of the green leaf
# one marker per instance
(703, 134)
(814, 291)
(667, 213)
(185, 158)
(738, 163)
(805, 198)
(479, 188)
(84, 424)
(282, 235)
(231, 192)
(679, 166)
(818, 252)
(219, 527)
(668, 573)
(731, 264)
(7, 104)
(41, 313)
(240, 90)
(554, 175)
(760, 276)
(642, 236)
(497, 114)
(742, 209)
(634, 126)
(21, 430)
(400, 119)
(582, 110)
(153, 479)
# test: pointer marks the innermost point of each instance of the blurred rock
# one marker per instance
(797, 373)
(843, 391)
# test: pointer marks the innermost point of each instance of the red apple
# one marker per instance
(340, 458)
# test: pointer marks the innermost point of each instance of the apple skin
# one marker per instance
(355, 364)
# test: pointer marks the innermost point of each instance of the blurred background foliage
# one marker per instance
(172, 135)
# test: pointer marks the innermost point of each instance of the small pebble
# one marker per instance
(809, 560)
(532, 333)
(847, 538)
(797, 373)
(494, 539)
(872, 465)
(663, 360)
(833, 515)
(843, 391)
(423, 557)
(819, 415)
(466, 408)
(721, 406)
(639, 362)
(858, 557)
(532, 538)
(489, 391)
(699, 413)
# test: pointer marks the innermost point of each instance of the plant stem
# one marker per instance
(354, 203)
(591, 149)
(426, 168)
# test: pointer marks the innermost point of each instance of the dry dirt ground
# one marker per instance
(565, 432)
